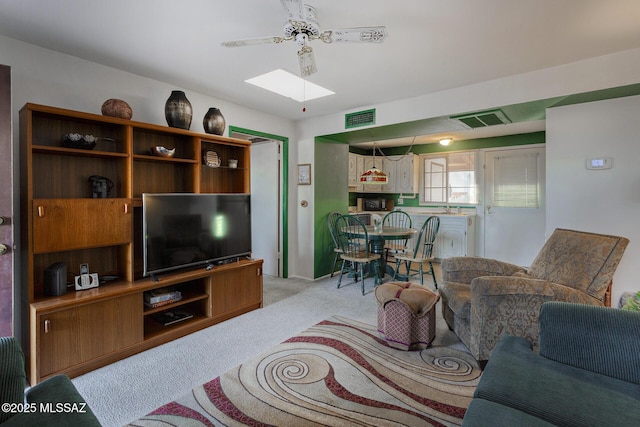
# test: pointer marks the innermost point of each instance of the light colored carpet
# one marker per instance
(336, 373)
(133, 387)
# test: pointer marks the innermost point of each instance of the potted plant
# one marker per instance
(632, 302)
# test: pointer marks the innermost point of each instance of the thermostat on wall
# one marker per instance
(599, 163)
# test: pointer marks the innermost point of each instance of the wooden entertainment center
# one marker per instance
(61, 222)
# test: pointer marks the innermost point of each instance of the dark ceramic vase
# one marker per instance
(178, 110)
(214, 122)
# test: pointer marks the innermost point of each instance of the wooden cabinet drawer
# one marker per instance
(66, 224)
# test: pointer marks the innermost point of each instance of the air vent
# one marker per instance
(483, 118)
(361, 118)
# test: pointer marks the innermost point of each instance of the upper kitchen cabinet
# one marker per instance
(402, 172)
(356, 167)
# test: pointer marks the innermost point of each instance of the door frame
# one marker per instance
(9, 301)
(284, 189)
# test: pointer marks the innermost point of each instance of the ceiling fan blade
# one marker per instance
(251, 42)
(295, 9)
(360, 34)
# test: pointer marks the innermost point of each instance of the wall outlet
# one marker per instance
(400, 201)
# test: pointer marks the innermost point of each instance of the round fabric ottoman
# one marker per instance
(406, 314)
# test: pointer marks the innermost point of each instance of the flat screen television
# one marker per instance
(186, 230)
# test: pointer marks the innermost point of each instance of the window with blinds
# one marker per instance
(516, 181)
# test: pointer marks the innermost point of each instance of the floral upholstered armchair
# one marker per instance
(484, 299)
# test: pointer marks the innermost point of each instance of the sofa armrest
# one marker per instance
(68, 407)
(599, 339)
(465, 269)
(505, 306)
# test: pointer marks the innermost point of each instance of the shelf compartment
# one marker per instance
(162, 177)
(109, 260)
(49, 130)
(145, 139)
(66, 175)
(185, 300)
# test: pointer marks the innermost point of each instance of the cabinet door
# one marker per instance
(236, 290)
(69, 337)
(356, 163)
(65, 224)
(389, 166)
(406, 175)
(452, 238)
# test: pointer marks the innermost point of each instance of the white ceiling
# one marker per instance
(432, 45)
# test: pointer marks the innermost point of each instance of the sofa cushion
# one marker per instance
(522, 379)
(483, 413)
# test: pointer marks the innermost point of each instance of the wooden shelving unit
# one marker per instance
(62, 222)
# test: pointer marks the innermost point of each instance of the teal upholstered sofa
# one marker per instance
(587, 372)
(53, 402)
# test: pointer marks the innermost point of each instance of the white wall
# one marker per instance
(602, 201)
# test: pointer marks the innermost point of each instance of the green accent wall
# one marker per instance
(284, 209)
(331, 193)
(332, 181)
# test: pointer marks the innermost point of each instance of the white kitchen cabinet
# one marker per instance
(389, 166)
(402, 173)
(407, 174)
(356, 167)
(456, 235)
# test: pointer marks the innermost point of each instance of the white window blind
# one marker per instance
(516, 181)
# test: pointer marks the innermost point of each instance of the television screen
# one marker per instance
(184, 229)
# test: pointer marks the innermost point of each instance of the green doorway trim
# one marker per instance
(285, 189)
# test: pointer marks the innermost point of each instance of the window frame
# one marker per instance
(477, 167)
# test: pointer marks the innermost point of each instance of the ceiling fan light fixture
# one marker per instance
(445, 141)
(307, 61)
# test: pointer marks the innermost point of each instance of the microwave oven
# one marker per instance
(374, 204)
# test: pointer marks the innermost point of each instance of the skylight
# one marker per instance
(287, 84)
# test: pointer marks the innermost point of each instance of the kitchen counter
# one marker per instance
(419, 211)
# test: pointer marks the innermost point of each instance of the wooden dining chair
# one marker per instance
(422, 253)
(331, 224)
(399, 219)
(353, 240)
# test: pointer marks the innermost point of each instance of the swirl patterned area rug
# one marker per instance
(336, 373)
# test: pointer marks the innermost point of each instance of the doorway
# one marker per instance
(268, 201)
(514, 209)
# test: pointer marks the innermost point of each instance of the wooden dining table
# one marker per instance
(377, 237)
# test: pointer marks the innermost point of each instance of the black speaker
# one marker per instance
(55, 279)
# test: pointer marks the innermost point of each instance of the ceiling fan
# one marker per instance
(302, 26)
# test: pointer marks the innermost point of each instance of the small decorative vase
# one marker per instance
(178, 111)
(214, 122)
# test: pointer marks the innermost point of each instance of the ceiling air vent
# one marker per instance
(361, 118)
(483, 118)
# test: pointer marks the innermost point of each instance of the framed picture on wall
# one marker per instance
(304, 174)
